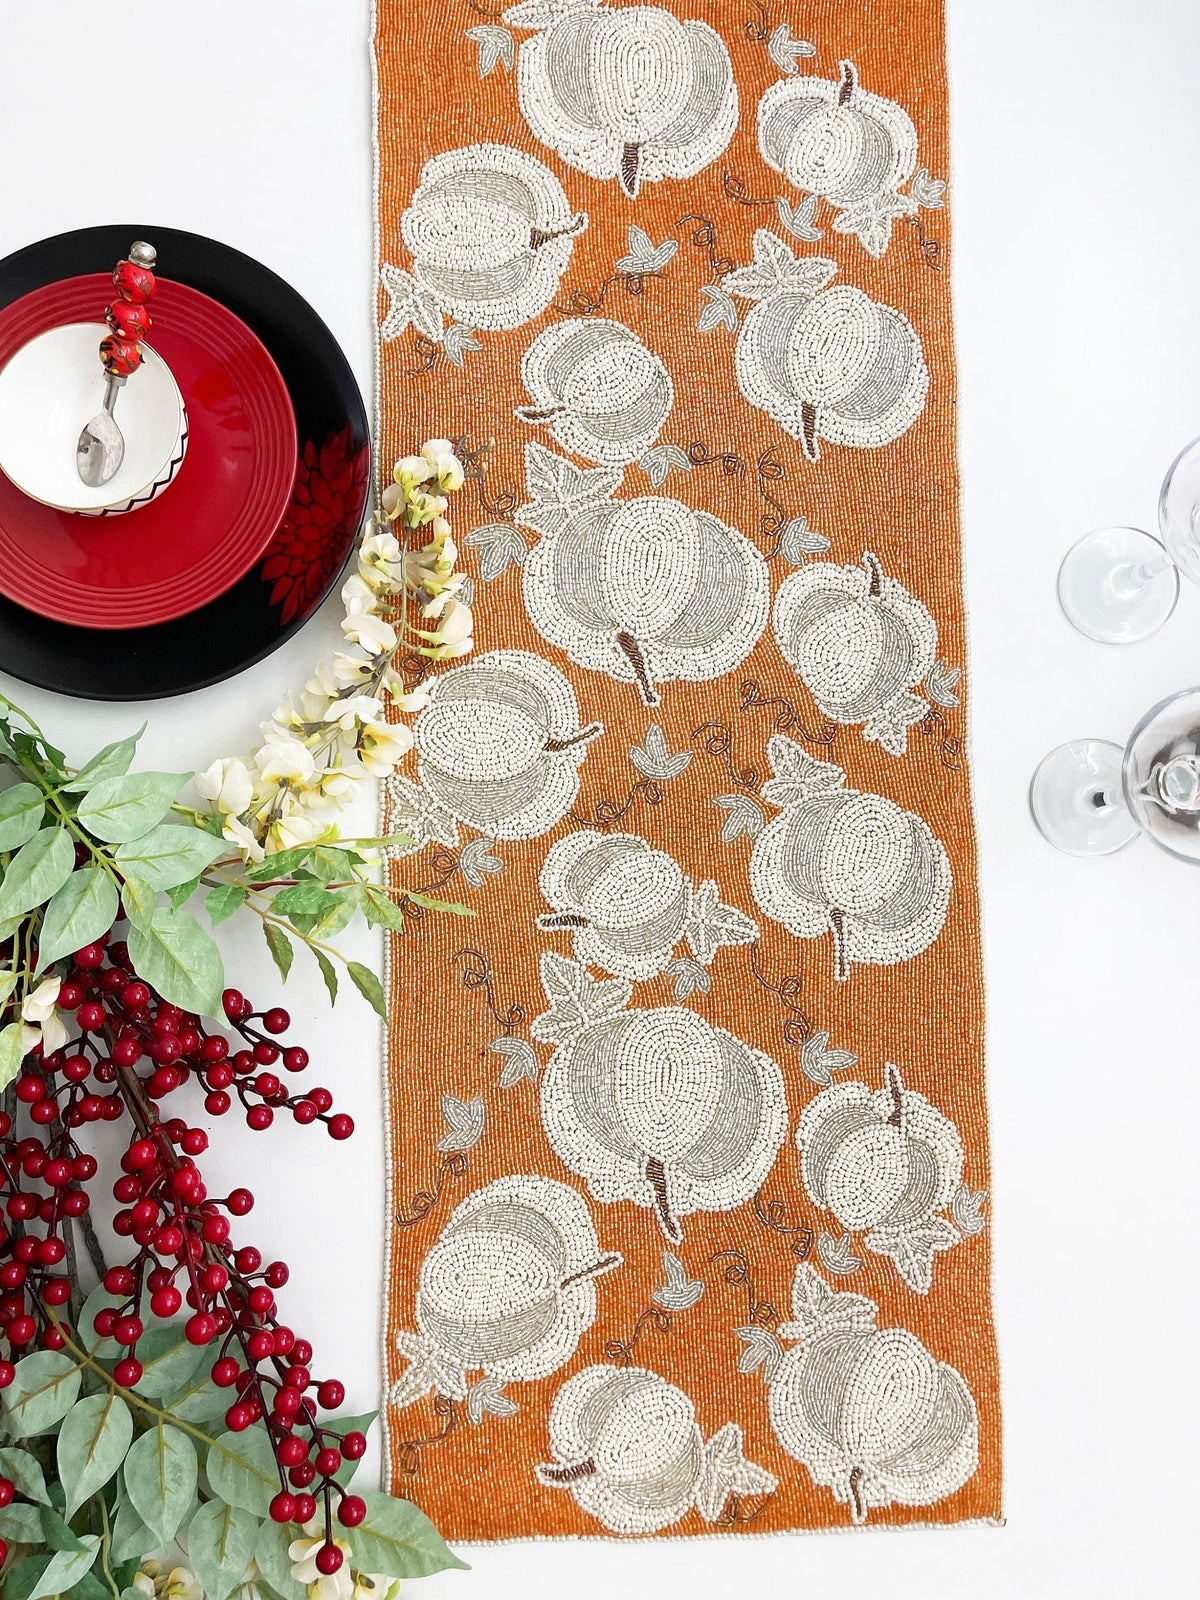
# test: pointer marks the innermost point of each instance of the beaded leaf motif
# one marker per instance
(632, 94)
(848, 863)
(628, 1448)
(647, 590)
(656, 1106)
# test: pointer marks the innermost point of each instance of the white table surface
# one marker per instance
(1076, 209)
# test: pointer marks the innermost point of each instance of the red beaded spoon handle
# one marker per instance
(129, 315)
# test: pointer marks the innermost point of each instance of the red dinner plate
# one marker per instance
(207, 528)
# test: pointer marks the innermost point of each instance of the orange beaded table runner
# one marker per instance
(687, 1146)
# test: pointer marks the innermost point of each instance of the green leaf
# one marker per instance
(139, 900)
(21, 811)
(222, 902)
(271, 1555)
(180, 893)
(83, 909)
(57, 1533)
(397, 1539)
(430, 904)
(160, 1479)
(12, 1053)
(175, 956)
(98, 1300)
(329, 973)
(44, 1389)
(344, 1425)
(37, 871)
(66, 1568)
(338, 916)
(20, 1524)
(91, 1445)
(280, 947)
(111, 762)
(168, 855)
(131, 1538)
(168, 1361)
(306, 898)
(369, 986)
(24, 1470)
(123, 808)
(381, 910)
(281, 865)
(201, 1401)
(242, 1470)
(21, 1578)
(8, 982)
(220, 1543)
(329, 864)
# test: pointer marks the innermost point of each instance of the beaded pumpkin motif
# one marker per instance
(628, 1448)
(847, 863)
(597, 388)
(633, 93)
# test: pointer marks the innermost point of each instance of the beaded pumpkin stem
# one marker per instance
(129, 315)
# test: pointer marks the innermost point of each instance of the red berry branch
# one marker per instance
(132, 1051)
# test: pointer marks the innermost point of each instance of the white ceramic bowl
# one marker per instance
(52, 387)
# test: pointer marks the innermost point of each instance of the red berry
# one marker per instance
(231, 1002)
(295, 1058)
(352, 1510)
(292, 1451)
(128, 1372)
(286, 1402)
(239, 1203)
(302, 1474)
(329, 1559)
(341, 1126)
(134, 995)
(104, 1322)
(225, 1372)
(283, 1507)
(128, 1330)
(200, 1329)
(304, 1112)
(3, 1552)
(217, 1103)
(118, 1280)
(321, 1098)
(238, 1417)
(354, 1446)
(260, 1345)
(90, 957)
(328, 1461)
(90, 1016)
(7, 1490)
(195, 1141)
(21, 1330)
(306, 1509)
(166, 1302)
(7, 1373)
(302, 1353)
(259, 1118)
(331, 1394)
(277, 1276)
(277, 1020)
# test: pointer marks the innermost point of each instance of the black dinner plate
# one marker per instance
(307, 554)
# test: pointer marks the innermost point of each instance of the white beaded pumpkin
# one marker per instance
(886, 1161)
(658, 1107)
(848, 863)
(869, 1411)
(500, 742)
(633, 93)
(508, 1289)
(825, 363)
(861, 643)
(627, 906)
(491, 232)
(597, 388)
(628, 1449)
(646, 590)
(854, 149)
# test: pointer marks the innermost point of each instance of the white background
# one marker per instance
(1076, 210)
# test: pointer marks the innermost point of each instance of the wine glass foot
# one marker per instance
(1118, 585)
(1077, 800)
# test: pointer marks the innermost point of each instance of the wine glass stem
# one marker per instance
(1130, 578)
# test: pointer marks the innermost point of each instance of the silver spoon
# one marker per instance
(101, 447)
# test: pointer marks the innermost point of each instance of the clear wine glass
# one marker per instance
(1119, 585)
(1090, 797)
